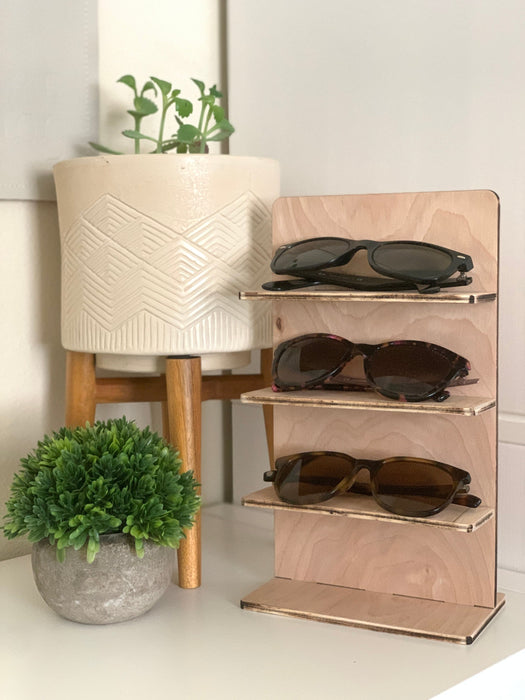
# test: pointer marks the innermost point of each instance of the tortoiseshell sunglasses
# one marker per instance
(409, 486)
(407, 370)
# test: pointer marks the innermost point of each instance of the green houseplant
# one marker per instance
(109, 484)
(212, 124)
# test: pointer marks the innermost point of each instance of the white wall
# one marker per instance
(171, 39)
(32, 381)
(382, 96)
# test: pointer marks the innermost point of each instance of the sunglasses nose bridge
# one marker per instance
(357, 466)
(368, 464)
(349, 480)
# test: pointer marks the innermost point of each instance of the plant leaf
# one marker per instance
(207, 100)
(164, 86)
(104, 149)
(148, 85)
(215, 92)
(200, 85)
(132, 134)
(169, 145)
(218, 113)
(221, 130)
(188, 133)
(183, 107)
(144, 106)
(130, 81)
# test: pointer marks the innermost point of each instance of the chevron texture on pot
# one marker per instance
(150, 281)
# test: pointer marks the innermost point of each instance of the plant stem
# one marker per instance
(137, 128)
(165, 106)
(201, 117)
(205, 131)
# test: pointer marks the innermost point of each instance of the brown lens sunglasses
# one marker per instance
(409, 486)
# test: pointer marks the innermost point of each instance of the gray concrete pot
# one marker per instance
(117, 586)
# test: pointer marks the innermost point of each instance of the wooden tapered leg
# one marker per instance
(165, 421)
(266, 371)
(183, 386)
(80, 388)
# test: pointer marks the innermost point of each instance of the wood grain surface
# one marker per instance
(377, 611)
(369, 401)
(331, 293)
(387, 557)
(364, 507)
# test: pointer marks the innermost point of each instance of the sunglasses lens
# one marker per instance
(311, 255)
(309, 360)
(413, 488)
(418, 262)
(410, 370)
(311, 478)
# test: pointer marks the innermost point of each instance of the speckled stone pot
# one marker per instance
(117, 586)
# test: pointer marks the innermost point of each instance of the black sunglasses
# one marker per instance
(412, 264)
(407, 370)
(409, 486)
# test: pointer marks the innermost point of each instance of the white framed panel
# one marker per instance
(48, 91)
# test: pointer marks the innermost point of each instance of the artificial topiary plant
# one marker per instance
(108, 477)
(212, 124)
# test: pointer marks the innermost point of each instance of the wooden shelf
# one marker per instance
(454, 517)
(457, 405)
(470, 297)
(377, 611)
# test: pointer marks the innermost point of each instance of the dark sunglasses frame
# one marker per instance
(459, 368)
(459, 496)
(314, 274)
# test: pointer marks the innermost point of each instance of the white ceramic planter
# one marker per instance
(155, 249)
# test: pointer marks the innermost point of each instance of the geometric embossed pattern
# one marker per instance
(131, 285)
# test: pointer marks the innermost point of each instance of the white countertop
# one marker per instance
(199, 644)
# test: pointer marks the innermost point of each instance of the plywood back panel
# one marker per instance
(390, 557)
(400, 558)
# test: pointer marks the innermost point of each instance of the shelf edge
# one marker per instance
(466, 528)
(445, 298)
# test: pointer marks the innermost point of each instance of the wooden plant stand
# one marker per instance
(181, 390)
(347, 561)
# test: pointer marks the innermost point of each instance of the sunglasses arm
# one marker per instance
(360, 283)
(466, 499)
(461, 499)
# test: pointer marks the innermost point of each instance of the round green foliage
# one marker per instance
(108, 477)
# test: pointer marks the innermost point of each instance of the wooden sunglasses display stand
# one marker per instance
(347, 561)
